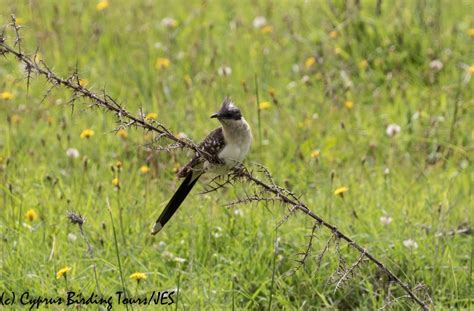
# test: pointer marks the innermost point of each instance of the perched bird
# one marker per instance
(229, 144)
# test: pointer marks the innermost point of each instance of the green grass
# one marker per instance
(230, 259)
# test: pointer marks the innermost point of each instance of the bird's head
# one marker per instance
(228, 112)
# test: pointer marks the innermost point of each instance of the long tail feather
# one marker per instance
(178, 198)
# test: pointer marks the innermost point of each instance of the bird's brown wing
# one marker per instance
(212, 144)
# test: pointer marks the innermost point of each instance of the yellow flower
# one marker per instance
(310, 61)
(267, 29)
(176, 168)
(340, 191)
(151, 116)
(102, 5)
(148, 136)
(31, 215)
(162, 63)
(333, 34)
(83, 82)
(315, 153)
(188, 80)
(471, 69)
(271, 92)
(20, 20)
(6, 95)
(338, 50)
(470, 32)
(349, 104)
(138, 276)
(62, 272)
(264, 105)
(363, 64)
(15, 119)
(37, 58)
(87, 133)
(122, 133)
(116, 182)
(144, 169)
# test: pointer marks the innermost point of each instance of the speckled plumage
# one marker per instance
(212, 144)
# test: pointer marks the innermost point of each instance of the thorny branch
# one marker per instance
(126, 119)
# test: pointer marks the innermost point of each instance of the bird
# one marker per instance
(229, 144)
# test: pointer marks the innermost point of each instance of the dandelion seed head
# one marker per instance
(224, 71)
(169, 22)
(259, 22)
(72, 153)
(410, 244)
(436, 65)
(393, 129)
(386, 220)
(71, 237)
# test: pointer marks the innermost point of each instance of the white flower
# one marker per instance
(71, 237)
(217, 232)
(169, 22)
(224, 71)
(393, 129)
(386, 220)
(386, 171)
(291, 85)
(305, 79)
(295, 68)
(238, 212)
(410, 244)
(436, 65)
(182, 135)
(72, 153)
(259, 22)
(179, 259)
(415, 116)
(162, 245)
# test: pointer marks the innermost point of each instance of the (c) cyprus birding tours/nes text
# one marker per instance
(278, 153)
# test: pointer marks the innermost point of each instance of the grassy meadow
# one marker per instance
(374, 102)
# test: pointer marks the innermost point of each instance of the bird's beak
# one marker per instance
(215, 115)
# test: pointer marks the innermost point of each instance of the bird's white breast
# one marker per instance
(238, 138)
